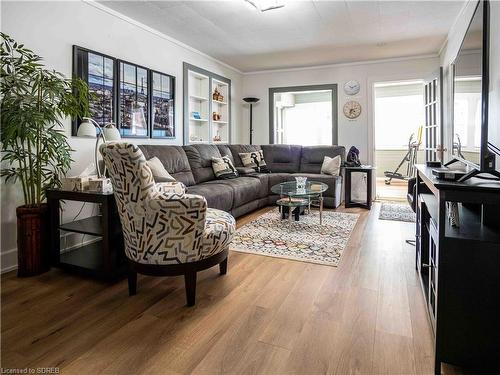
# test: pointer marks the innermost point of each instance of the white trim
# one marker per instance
(352, 63)
(156, 32)
(453, 26)
(6, 265)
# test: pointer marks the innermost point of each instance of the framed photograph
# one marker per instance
(162, 105)
(133, 100)
(99, 71)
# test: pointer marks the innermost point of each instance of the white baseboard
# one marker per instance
(9, 260)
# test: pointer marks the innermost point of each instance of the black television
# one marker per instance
(470, 69)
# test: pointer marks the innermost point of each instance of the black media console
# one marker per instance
(459, 269)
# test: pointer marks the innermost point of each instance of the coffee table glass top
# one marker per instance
(289, 189)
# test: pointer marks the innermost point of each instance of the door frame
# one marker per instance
(332, 87)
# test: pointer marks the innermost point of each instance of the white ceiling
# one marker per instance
(303, 33)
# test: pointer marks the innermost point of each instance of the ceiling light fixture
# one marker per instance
(265, 5)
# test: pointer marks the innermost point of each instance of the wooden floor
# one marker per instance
(266, 316)
(396, 191)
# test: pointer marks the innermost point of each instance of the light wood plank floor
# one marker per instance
(266, 316)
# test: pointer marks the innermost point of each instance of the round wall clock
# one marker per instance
(351, 87)
(352, 109)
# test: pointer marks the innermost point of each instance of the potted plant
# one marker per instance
(34, 102)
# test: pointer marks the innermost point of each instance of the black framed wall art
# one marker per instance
(133, 100)
(162, 105)
(99, 71)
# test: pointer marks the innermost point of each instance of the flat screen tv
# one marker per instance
(471, 144)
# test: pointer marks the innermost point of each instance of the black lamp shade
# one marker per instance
(251, 100)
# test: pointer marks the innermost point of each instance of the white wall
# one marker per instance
(51, 28)
(351, 132)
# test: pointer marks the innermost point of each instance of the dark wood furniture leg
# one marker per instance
(189, 271)
(132, 281)
(190, 283)
(223, 267)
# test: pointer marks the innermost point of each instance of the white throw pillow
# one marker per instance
(331, 165)
(160, 174)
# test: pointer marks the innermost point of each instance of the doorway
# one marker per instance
(398, 125)
(303, 115)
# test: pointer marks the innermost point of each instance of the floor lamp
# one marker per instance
(251, 101)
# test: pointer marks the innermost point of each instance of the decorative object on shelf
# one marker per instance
(196, 115)
(352, 87)
(453, 214)
(35, 150)
(216, 116)
(109, 132)
(352, 159)
(251, 101)
(352, 109)
(217, 96)
(217, 137)
(162, 105)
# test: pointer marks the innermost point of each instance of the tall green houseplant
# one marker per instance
(34, 102)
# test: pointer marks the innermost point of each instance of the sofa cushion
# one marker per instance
(226, 151)
(217, 194)
(264, 179)
(277, 178)
(312, 157)
(200, 160)
(160, 174)
(282, 158)
(330, 180)
(245, 189)
(174, 160)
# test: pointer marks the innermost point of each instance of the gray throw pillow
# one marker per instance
(160, 174)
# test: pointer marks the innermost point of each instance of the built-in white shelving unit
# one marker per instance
(207, 107)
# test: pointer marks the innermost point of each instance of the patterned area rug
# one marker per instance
(303, 240)
(397, 212)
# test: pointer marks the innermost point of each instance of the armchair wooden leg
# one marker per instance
(132, 282)
(223, 267)
(190, 282)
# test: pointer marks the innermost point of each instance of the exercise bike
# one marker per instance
(410, 158)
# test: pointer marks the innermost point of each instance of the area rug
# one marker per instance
(397, 212)
(303, 240)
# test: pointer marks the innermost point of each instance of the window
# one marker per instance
(163, 99)
(98, 71)
(399, 112)
(133, 101)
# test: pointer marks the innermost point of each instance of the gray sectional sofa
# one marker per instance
(192, 165)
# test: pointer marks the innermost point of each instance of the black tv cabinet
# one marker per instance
(459, 270)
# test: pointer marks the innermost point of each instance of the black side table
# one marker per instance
(368, 170)
(104, 256)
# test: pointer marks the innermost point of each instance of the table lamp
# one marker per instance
(109, 132)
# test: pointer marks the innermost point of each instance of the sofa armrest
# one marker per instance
(174, 187)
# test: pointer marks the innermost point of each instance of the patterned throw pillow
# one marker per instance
(224, 168)
(254, 160)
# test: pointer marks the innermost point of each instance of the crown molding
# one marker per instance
(156, 32)
(338, 65)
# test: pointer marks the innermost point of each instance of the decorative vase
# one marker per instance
(32, 240)
(301, 183)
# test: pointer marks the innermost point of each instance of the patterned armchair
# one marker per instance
(166, 231)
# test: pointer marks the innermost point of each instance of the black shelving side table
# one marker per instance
(368, 170)
(103, 258)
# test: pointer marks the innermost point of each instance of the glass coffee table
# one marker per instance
(294, 200)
